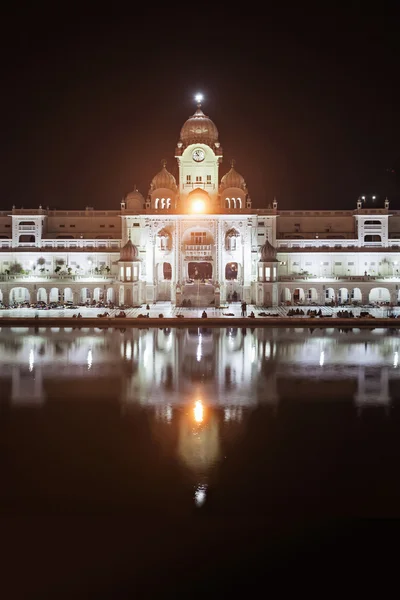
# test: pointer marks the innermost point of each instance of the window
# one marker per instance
(262, 233)
(372, 238)
(167, 271)
(188, 179)
(198, 179)
(72, 225)
(62, 225)
(261, 224)
(339, 264)
(350, 264)
(7, 226)
(370, 222)
(102, 225)
(111, 225)
(128, 272)
(208, 178)
(198, 237)
(325, 264)
(136, 224)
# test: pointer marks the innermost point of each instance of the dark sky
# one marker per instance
(308, 106)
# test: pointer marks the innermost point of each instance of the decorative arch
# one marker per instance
(232, 237)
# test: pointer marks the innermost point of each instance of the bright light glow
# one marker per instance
(363, 197)
(322, 358)
(128, 353)
(373, 197)
(198, 206)
(199, 353)
(198, 411)
(396, 359)
(199, 97)
(200, 495)
(31, 360)
(253, 354)
(89, 359)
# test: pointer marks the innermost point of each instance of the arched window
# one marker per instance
(156, 202)
(239, 202)
(372, 238)
(168, 202)
(162, 203)
(227, 203)
(167, 271)
(231, 271)
(233, 202)
(373, 222)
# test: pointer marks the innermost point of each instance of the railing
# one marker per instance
(70, 244)
(27, 227)
(198, 250)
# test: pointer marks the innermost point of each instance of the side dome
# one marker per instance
(268, 253)
(232, 179)
(164, 179)
(199, 129)
(129, 252)
(134, 200)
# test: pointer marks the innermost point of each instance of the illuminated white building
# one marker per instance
(199, 241)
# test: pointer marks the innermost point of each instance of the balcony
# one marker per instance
(27, 227)
(198, 250)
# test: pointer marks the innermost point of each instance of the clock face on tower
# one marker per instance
(198, 155)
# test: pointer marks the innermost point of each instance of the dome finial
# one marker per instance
(163, 163)
(199, 99)
(233, 163)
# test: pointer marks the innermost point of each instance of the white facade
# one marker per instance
(198, 241)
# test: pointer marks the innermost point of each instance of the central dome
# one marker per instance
(199, 129)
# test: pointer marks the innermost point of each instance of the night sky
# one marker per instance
(308, 107)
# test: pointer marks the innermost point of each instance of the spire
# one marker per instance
(163, 163)
(129, 234)
(198, 98)
(233, 163)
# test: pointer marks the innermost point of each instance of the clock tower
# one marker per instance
(199, 154)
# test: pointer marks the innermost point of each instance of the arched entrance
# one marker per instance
(54, 295)
(356, 295)
(379, 295)
(312, 296)
(68, 295)
(298, 296)
(19, 295)
(286, 296)
(42, 295)
(85, 295)
(343, 296)
(329, 296)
